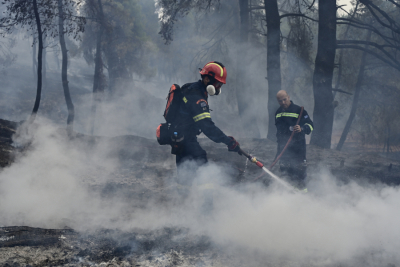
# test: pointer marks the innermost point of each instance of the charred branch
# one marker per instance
(312, 4)
(368, 27)
(395, 64)
(341, 91)
(394, 3)
(389, 56)
(380, 47)
(392, 24)
(297, 15)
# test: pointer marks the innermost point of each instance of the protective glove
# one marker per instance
(291, 128)
(234, 145)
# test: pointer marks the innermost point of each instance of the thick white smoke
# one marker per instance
(334, 224)
(49, 186)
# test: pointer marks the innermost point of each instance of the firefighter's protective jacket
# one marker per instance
(285, 119)
(194, 114)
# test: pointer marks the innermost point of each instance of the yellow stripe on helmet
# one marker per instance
(222, 70)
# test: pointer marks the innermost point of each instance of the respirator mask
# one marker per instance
(214, 87)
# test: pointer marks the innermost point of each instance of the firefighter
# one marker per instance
(194, 118)
(293, 161)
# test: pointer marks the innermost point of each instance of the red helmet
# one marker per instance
(216, 70)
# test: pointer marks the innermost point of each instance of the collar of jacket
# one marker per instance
(202, 88)
(289, 107)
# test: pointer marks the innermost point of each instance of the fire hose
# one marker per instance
(261, 165)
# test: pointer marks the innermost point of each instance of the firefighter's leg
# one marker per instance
(204, 187)
(293, 170)
(191, 157)
(298, 173)
(206, 194)
(301, 174)
(184, 177)
(284, 167)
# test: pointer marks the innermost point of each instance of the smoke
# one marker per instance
(57, 182)
(48, 185)
(334, 224)
(51, 185)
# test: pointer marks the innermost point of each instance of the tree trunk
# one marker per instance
(39, 68)
(273, 62)
(339, 75)
(244, 21)
(57, 60)
(384, 146)
(119, 75)
(244, 92)
(355, 99)
(34, 61)
(64, 70)
(114, 74)
(323, 74)
(44, 64)
(98, 81)
(388, 140)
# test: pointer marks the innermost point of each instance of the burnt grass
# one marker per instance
(103, 245)
(137, 157)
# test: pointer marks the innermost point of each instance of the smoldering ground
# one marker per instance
(57, 183)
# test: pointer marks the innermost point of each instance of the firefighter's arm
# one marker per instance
(202, 117)
(208, 127)
(306, 123)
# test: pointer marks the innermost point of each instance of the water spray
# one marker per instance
(261, 165)
(268, 171)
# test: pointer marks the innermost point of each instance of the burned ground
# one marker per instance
(145, 173)
(27, 246)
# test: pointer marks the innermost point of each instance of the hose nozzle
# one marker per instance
(254, 160)
(259, 164)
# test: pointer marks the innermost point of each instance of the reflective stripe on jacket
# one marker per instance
(284, 120)
(194, 114)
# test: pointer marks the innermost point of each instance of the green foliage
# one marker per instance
(20, 13)
(126, 47)
(6, 55)
(170, 10)
(198, 37)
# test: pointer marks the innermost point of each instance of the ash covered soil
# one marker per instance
(144, 172)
